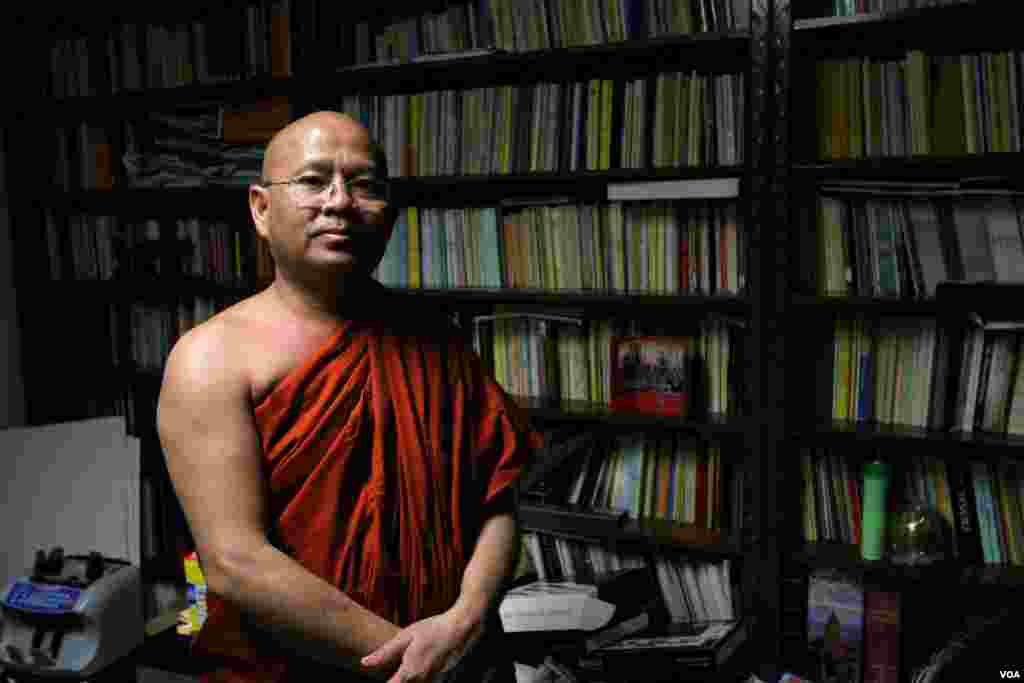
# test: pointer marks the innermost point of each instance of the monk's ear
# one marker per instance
(259, 208)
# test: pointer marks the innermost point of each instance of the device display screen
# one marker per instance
(41, 598)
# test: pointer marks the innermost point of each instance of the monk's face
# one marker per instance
(337, 231)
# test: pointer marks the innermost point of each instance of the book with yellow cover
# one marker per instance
(605, 123)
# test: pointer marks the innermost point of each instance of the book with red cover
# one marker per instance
(652, 374)
(881, 636)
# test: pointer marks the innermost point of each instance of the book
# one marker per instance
(711, 188)
(255, 123)
(1005, 239)
(544, 617)
(881, 636)
(967, 530)
(672, 651)
(651, 374)
(835, 626)
(972, 236)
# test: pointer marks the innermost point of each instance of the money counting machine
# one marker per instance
(72, 617)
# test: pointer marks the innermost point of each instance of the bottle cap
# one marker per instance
(877, 468)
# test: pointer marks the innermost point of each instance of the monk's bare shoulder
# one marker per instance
(215, 352)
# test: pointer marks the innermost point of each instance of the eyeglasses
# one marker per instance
(313, 189)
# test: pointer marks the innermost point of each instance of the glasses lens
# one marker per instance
(310, 190)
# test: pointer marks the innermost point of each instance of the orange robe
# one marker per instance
(381, 450)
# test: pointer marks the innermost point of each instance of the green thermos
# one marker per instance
(876, 484)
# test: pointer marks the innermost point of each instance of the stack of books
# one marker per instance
(679, 651)
(614, 628)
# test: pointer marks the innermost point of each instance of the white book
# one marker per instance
(698, 599)
(710, 590)
(926, 233)
(1004, 233)
(671, 590)
(970, 217)
(1000, 383)
(725, 579)
(969, 378)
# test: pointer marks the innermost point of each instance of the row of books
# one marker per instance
(988, 493)
(201, 145)
(651, 247)
(849, 8)
(169, 151)
(165, 533)
(105, 247)
(890, 370)
(891, 247)
(992, 382)
(155, 329)
(696, 591)
(831, 497)
(681, 103)
(229, 43)
(853, 631)
(558, 357)
(833, 488)
(541, 24)
(947, 105)
(210, 250)
(695, 119)
(998, 488)
(691, 590)
(652, 477)
(83, 158)
(556, 558)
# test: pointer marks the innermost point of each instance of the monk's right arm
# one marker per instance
(213, 454)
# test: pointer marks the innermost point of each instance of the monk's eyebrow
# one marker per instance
(326, 166)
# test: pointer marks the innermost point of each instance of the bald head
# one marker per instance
(288, 144)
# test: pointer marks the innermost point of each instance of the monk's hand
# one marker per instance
(427, 649)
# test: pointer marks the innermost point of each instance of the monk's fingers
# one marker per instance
(405, 675)
(421, 662)
(390, 653)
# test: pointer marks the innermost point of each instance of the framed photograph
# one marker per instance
(652, 375)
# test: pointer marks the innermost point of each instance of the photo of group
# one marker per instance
(652, 374)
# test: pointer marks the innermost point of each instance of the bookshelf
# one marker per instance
(135, 288)
(884, 145)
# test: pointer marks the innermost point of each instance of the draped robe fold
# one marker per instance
(381, 451)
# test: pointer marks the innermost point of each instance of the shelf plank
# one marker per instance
(848, 305)
(599, 414)
(968, 172)
(992, 301)
(605, 527)
(446, 191)
(584, 299)
(1009, 445)
(144, 289)
(979, 26)
(603, 301)
(541, 187)
(846, 557)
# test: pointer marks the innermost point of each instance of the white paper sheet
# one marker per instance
(71, 484)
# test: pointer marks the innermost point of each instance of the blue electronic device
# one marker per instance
(70, 617)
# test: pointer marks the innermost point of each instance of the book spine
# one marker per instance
(881, 636)
(967, 531)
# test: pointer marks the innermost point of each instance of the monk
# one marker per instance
(345, 464)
